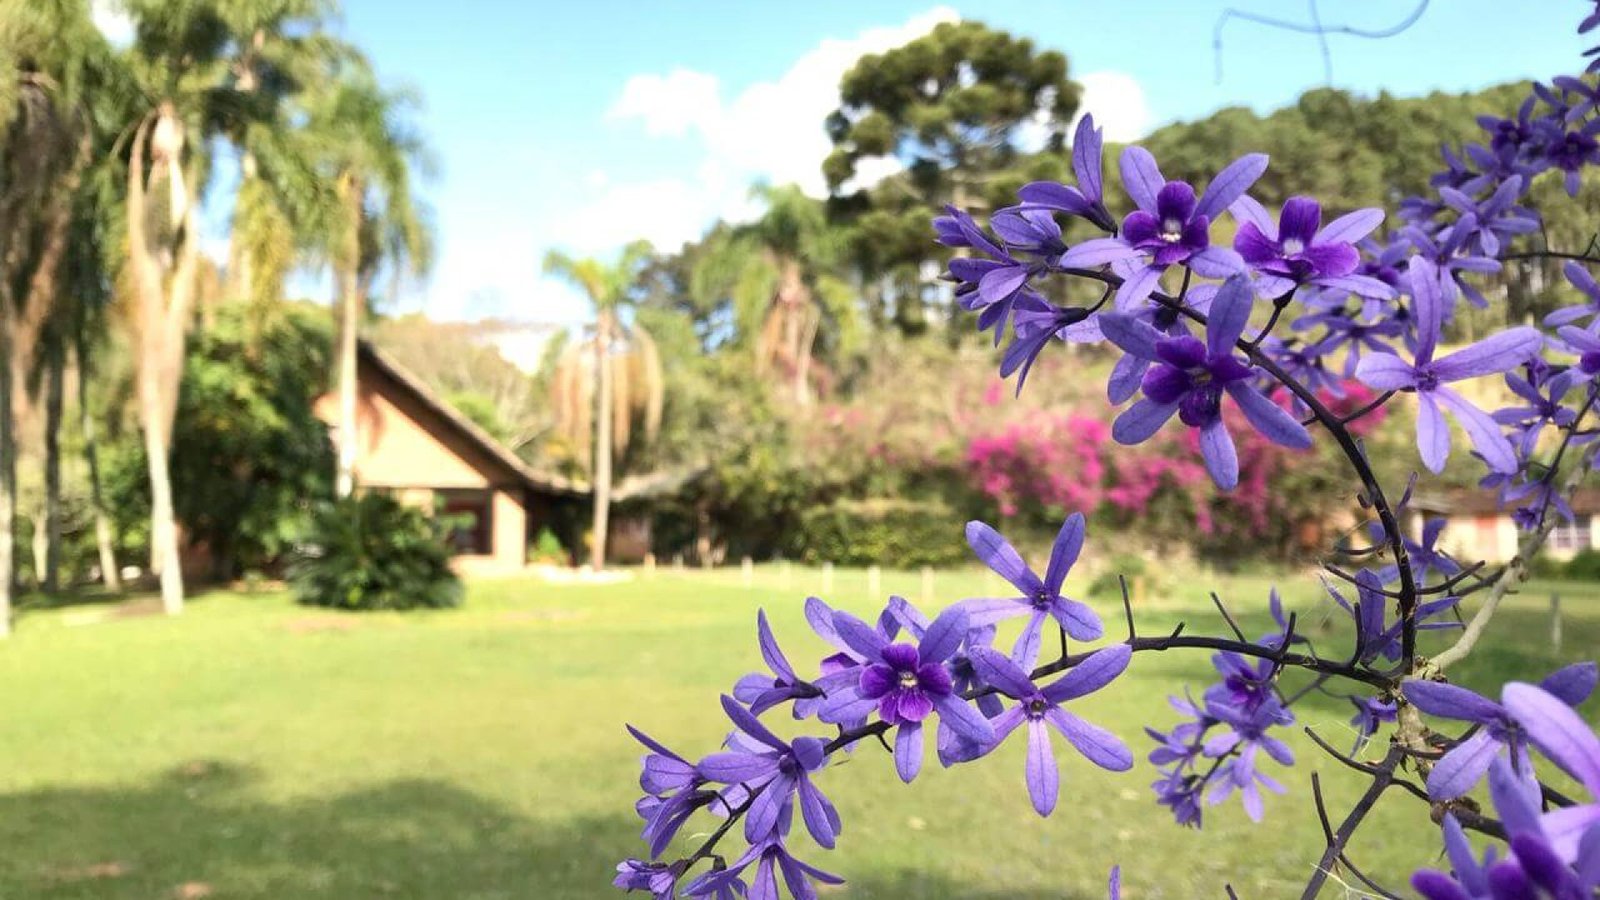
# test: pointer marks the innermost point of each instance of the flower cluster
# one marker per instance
(1260, 338)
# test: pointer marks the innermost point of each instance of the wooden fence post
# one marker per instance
(874, 578)
(827, 578)
(927, 584)
(783, 575)
(747, 568)
(649, 564)
(1555, 622)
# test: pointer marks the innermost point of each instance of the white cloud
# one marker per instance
(1118, 104)
(770, 131)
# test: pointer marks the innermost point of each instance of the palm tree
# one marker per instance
(49, 53)
(617, 367)
(365, 149)
(781, 274)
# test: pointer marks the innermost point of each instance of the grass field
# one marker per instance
(255, 749)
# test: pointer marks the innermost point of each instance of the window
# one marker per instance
(1570, 536)
(469, 514)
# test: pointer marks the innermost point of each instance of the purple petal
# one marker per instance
(1230, 312)
(1041, 774)
(1565, 828)
(1482, 430)
(1221, 458)
(965, 721)
(858, 635)
(1433, 435)
(1274, 423)
(1141, 177)
(770, 650)
(998, 670)
(998, 554)
(1498, 353)
(1249, 211)
(1131, 334)
(1361, 285)
(821, 819)
(1231, 183)
(1215, 262)
(1572, 684)
(1141, 420)
(733, 767)
(762, 819)
(1068, 544)
(820, 617)
(1350, 227)
(1026, 651)
(908, 750)
(986, 611)
(944, 636)
(1086, 148)
(1459, 770)
(1557, 731)
(750, 725)
(1100, 746)
(1427, 300)
(1385, 372)
(1054, 195)
(1126, 376)
(877, 680)
(1137, 287)
(1096, 252)
(1094, 673)
(1299, 220)
(1449, 701)
(1080, 622)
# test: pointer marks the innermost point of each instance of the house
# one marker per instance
(412, 443)
(1478, 528)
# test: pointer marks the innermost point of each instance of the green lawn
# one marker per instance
(255, 749)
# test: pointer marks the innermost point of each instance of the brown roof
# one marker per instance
(633, 487)
(1464, 502)
(470, 431)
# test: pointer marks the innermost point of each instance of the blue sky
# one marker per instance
(581, 125)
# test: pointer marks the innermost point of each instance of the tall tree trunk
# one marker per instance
(8, 475)
(110, 575)
(162, 320)
(350, 302)
(54, 386)
(602, 441)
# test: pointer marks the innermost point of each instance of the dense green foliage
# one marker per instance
(369, 551)
(901, 534)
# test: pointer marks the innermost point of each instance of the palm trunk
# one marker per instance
(350, 302)
(109, 574)
(51, 526)
(602, 442)
(8, 477)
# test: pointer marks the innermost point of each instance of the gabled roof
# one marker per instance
(654, 484)
(468, 430)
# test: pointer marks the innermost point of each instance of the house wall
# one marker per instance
(1494, 538)
(406, 448)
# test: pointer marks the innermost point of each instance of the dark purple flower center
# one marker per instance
(1590, 362)
(1427, 380)
(1036, 707)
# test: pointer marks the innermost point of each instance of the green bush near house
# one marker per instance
(895, 533)
(369, 552)
(1584, 566)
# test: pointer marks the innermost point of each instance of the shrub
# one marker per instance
(898, 534)
(1585, 566)
(370, 551)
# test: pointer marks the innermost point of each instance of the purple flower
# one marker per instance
(1087, 198)
(906, 684)
(1170, 226)
(1369, 615)
(1425, 555)
(1580, 278)
(1427, 377)
(1297, 251)
(1037, 706)
(637, 875)
(774, 770)
(1532, 869)
(1570, 151)
(672, 792)
(771, 859)
(1370, 714)
(762, 692)
(1489, 223)
(1189, 378)
(1587, 346)
(1551, 725)
(1037, 322)
(1041, 597)
(1543, 395)
(1114, 885)
(1247, 736)
(1460, 769)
